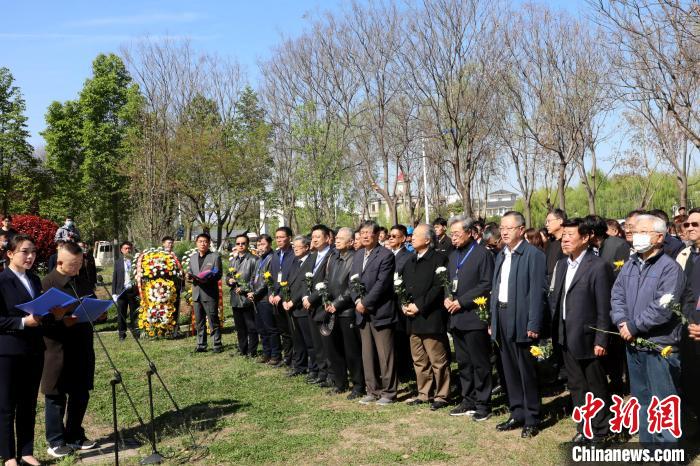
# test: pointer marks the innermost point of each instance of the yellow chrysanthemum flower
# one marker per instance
(536, 351)
(283, 283)
(480, 301)
(267, 274)
(618, 264)
(666, 351)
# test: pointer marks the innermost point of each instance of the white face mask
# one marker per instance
(641, 242)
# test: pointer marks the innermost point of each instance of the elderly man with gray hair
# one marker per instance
(642, 300)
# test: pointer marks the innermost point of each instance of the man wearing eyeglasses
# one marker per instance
(638, 311)
(241, 273)
(517, 303)
(404, 362)
(689, 259)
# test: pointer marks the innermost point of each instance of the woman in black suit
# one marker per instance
(21, 354)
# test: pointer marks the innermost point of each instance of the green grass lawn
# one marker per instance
(243, 412)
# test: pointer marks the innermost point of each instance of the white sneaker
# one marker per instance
(83, 444)
(59, 451)
(385, 401)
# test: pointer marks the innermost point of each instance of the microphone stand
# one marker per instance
(116, 380)
(155, 457)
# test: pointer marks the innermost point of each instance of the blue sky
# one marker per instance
(49, 45)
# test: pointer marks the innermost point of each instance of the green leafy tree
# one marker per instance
(18, 166)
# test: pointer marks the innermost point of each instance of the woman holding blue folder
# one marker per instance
(21, 354)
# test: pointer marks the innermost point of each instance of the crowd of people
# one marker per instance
(354, 311)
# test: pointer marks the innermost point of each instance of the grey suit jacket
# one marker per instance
(207, 290)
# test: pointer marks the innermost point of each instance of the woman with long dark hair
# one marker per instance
(21, 354)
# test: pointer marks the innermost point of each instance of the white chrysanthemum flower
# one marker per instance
(309, 275)
(396, 276)
(440, 270)
(355, 277)
(320, 286)
(666, 299)
(398, 282)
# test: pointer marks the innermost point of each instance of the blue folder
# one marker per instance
(42, 305)
(91, 309)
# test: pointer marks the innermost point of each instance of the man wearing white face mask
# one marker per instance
(638, 310)
(68, 232)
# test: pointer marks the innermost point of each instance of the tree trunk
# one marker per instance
(467, 199)
(527, 210)
(561, 184)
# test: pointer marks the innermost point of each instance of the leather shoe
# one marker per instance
(438, 404)
(325, 384)
(295, 373)
(529, 431)
(200, 349)
(336, 391)
(314, 381)
(355, 395)
(510, 424)
(217, 349)
(579, 438)
(415, 402)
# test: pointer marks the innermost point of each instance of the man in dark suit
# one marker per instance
(343, 344)
(516, 321)
(264, 318)
(426, 319)
(612, 250)
(69, 360)
(205, 273)
(242, 265)
(554, 221)
(471, 271)
(444, 243)
(690, 341)
(313, 303)
(280, 266)
(402, 347)
(375, 308)
(124, 290)
(580, 300)
(304, 354)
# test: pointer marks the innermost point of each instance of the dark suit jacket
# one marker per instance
(401, 257)
(474, 280)
(260, 289)
(427, 293)
(69, 359)
(672, 245)
(206, 290)
(317, 311)
(587, 305)
(338, 275)
(379, 287)
(285, 268)
(13, 340)
(444, 245)
(552, 253)
(118, 275)
(614, 249)
(526, 293)
(297, 284)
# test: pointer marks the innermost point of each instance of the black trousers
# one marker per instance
(19, 388)
(588, 375)
(305, 343)
(402, 352)
(324, 369)
(267, 329)
(615, 364)
(204, 310)
(283, 327)
(690, 372)
(72, 407)
(521, 378)
(473, 354)
(244, 320)
(127, 308)
(352, 351)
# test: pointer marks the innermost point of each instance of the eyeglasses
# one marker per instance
(394, 236)
(241, 244)
(691, 224)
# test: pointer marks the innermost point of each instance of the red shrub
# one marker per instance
(42, 230)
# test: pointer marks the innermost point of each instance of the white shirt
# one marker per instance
(505, 273)
(396, 251)
(127, 274)
(570, 272)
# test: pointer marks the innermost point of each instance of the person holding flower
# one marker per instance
(517, 303)
(470, 271)
(241, 269)
(637, 311)
(426, 319)
(205, 273)
(580, 302)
